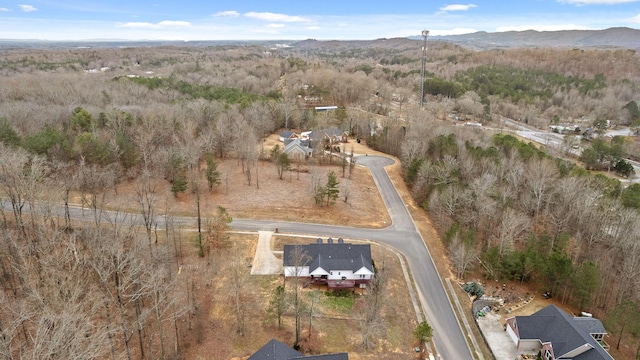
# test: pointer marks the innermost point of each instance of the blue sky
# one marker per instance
(294, 19)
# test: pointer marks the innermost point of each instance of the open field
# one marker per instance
(271, 198)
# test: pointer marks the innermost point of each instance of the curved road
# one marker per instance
(403, 235)
(450, 342)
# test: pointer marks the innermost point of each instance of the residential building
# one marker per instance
(287, 134)
(275, 350)
(338, 264)
(557, 335)
(298, 149)
(334, 136)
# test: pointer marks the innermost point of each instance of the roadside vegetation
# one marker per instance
(162, 120)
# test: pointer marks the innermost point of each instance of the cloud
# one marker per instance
(160, 25)
(229, 13)
(635, 19)
(457, 7)
(313, 28)
(139, 25)
(174, 23)
(4, 9)
(267, 16)
(27, 8)
(595, 2)
(275, 26)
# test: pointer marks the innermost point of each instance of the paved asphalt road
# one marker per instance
(402, 234)
(451, 343)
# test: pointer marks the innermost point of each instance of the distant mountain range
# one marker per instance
(119, 43)
(620, 37)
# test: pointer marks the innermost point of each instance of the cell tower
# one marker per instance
(425, 34)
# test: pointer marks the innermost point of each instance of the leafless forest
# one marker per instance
(84, 120)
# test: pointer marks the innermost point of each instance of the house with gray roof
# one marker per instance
(298, 149)
(275, 350)
(287, 134)
(337, 264)
(327, 136)
(335, 135)
(557, 335)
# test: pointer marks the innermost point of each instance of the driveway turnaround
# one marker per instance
(499, 341)
(264, 262)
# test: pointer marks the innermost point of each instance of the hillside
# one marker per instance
(394, 43)
(621, 37)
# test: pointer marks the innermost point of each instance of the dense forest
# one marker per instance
(84, 120)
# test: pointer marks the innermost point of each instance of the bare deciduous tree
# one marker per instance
(299, 259)
(288, 110)
(66, 179)
(470, 104)
(95, 183)
(120, 272)
(512, 227)
(463, 253)
(369, 319)
(541, 174)
(239, 274)
(146, 196)
(21, 176)
(223, 131)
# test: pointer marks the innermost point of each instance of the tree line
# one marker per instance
(169, 114)
(508, 210)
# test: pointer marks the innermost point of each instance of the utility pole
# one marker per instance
(425, 34)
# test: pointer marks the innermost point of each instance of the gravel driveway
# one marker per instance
(264, 262)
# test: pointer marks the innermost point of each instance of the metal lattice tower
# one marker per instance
(425, 34)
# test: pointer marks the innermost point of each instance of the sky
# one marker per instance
(296, 20)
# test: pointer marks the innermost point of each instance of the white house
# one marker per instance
(336, 264)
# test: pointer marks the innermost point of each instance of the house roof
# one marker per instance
(563, 331)
(275, 350)
(334, 132)
(297, 141)
(340, 256)
(285, 134)
(329, 263)
(338, 356)
(590, 325)
(297, 146)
